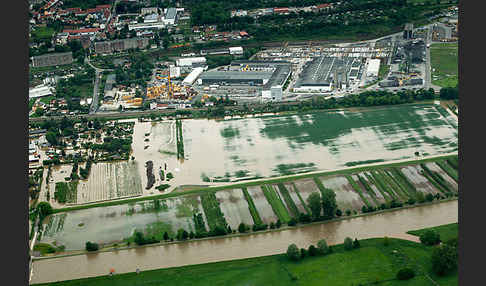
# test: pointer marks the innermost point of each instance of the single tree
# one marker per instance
(405, 274)
(322, 247)
(314, 202)
(430, 237)
(166, 236)
(303, 253)
(329, 205)
(348, 243)
(313, 250)
(444, 259)
(242, 228)
(278, 224)
(356, 243)
(293, 252)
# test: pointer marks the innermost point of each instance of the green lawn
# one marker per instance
(42, 33)
(444, 60)
(446, 231)
(372, 262)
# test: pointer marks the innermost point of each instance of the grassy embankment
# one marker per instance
(372, 263)
(443, 60)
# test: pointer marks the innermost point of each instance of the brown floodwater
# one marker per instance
(393, 224)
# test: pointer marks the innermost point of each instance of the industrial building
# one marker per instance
(40, 91)
(192, 76)
(244, 72)
(109, 93)
(322, 73)
(108, 47)
(235, 77)
(170, 16)
(373, 68)
(55, 59)
(408, 31)
(224, 51)
(183, 62)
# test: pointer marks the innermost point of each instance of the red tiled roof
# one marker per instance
(106, 6)
(77, 9)
(282, 9)
(323, 5)
(87, 30)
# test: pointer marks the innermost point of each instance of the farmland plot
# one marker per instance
(420, 182)
(434, 167)
(115, 223)
(378, 196)
(372, 201)
(234, 207)
(296, 198)
(110, 181)
(306, 187)
(268, 146)
(262, 205)
(346, 196)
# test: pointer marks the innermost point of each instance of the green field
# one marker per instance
(444, 60)
(42, 33)
(372, 263)
(446, 232)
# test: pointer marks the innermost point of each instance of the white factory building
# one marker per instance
(184, 62)
(275, 93)
(191, 77)
(373, 68)
(40, 91)
(236, 50)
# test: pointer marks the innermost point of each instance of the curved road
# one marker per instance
(392, 224)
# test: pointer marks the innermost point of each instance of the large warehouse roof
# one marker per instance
(320, 71)
(236, 75)
(193, 76)
(40, 91)
(373, 67)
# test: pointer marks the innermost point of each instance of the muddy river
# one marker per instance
(393, 224)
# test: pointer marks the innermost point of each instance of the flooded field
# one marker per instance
(220, 249)
(106, 181)
(235, 149)
(253, 205)
(110, 181)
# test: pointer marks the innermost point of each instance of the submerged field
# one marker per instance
(237, 149)
(205, 211)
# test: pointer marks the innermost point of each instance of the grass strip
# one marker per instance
(214, 215)
(454, 162)
(301, 199)
(288, 200)
(405, 180)
(277, 205)
(396, 187)
(401, 180)
(449, 170)
(358, 190)
(66, 192)
(251, 206)
(368, 189)
(385, 195)
(380, 182)
(437, 178)
(446, 231)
